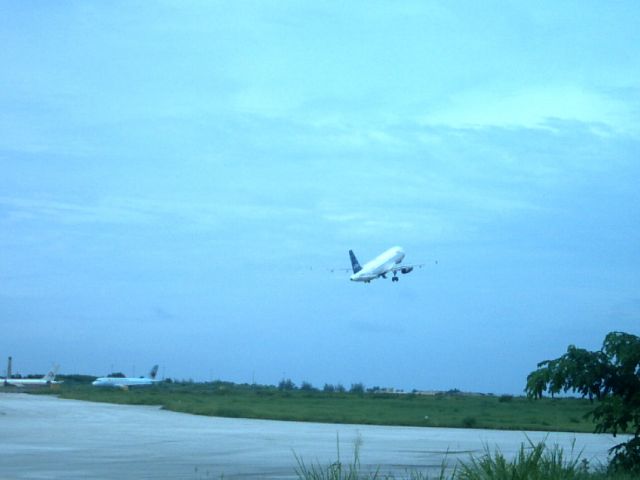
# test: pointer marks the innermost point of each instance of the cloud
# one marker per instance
(69, 212)
(533, 107)
(123, 210)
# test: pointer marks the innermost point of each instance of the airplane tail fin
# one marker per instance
(51, 375)
(354, 262)
(153, 372)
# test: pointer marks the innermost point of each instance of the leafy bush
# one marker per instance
(611, 376)
(469, 422)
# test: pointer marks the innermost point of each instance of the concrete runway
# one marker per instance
(43, 437)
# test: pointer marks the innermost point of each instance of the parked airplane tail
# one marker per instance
(153, 372)
(51, 375)
(354, 262)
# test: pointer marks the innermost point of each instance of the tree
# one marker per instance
(286, 385)
(357, 388)
(307, 387)
(611, 377)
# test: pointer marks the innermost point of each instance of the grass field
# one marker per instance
(456, 410)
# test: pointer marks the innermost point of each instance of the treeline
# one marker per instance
(285, 385)
(288, 385)
(75, 378)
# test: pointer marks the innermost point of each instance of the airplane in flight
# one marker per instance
(126, 382)
(46, 381)
(388, 262)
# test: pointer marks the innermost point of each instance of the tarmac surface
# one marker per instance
(44, 437)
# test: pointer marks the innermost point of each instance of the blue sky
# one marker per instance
(178, 177)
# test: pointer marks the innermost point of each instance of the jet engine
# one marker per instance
(406, 269)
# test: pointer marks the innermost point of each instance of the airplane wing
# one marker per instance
(346, 270)
(406, 268)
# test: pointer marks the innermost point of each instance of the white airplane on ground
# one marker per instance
(387, 262)
(126, 382)
(45, 381)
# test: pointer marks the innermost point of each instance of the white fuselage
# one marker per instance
(45, 381)
(379, 266)
(27, 382)
(121, 382)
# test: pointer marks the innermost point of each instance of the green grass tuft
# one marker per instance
(532, 462)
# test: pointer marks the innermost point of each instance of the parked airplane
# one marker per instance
(45, 381)
(126, 382)
(387, 262)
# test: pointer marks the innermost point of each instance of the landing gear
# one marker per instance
(394, 279)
